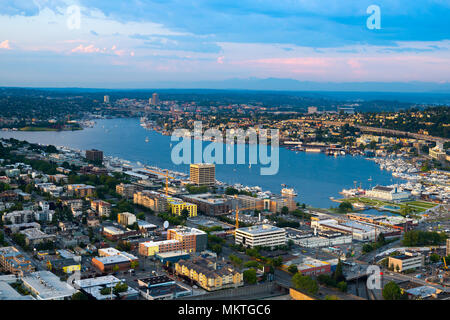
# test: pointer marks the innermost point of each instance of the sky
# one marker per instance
(143, 43)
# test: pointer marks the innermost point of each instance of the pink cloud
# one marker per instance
(86, 49)
(5, 45)
(307, 62)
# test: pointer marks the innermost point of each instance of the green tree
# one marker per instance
(338, 274)
(79, 296)
(342, 286)
(392, 291)
(293, 269)
(345, 206)
(284, 210)
(305, 283)
(250, 276)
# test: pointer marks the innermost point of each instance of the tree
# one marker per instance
(185, 213)
(285, 210)
(392, 291)
(276, 262)
(293, 269)
(345, 206)
(115, 268)
(134, 264)
(342, 286)
(305, 283)
(217, 248)
(79, 296)
(140, 216)
(434, 257)
(338, 274)
(250, 276)
(120, 287)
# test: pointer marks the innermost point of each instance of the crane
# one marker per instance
(240, 209)
(164, 174)
(445, 263)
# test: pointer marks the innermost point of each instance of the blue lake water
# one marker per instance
(315, 176)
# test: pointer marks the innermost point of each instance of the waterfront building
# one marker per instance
(388, 193)
(106, 99)
(250, 203)
(437, 152)
(203, 174)
(260, 235)
(94, 155)
(210, 204)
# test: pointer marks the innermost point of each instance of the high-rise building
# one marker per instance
(155, 99)
(448, 248)
(106, 99)
(203, 174)
(94, 155)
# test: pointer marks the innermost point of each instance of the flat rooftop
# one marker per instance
(261, 229)
(94, 282)
(48, 286)
(9, 293)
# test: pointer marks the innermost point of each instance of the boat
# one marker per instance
(146, 139)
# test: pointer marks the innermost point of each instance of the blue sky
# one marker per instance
(146, 41)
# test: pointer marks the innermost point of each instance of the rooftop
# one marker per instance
(259, 229)
(47, 286)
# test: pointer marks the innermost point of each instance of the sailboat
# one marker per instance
(147, 139)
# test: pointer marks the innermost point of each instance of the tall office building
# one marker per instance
(106, 99)
(155, 99)
(203, 174)
(94, 155)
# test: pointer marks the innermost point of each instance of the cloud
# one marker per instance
(86, 49)
(5, 45)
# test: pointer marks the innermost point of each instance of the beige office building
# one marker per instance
(203, 174)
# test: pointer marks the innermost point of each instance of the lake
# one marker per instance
(315, 176)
